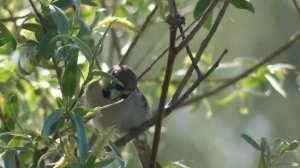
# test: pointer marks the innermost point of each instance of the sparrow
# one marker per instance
(123, 107)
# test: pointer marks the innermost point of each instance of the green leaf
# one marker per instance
(60, 19)
(282, 147)
(276, 85)
(46, 49)
(251, 141)
(293, 145)
(200, 7)
(117, 152)
(6, 37)
(243, 4)
(70, 80)
(9, 158)
(50, 123)
(63, 3)
(24, 66)
(81, 137)
(228, 99)
(261, 163)
(85, 49)
(106, 75)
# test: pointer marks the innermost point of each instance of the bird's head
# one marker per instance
(126, 76)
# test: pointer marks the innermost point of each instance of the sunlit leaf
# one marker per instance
(117, 22)
(275, 84)
(81, 137)
(228, 99)
(282, 147)
(251, 141)
(243, 4)
(6, 36)
(261, 162)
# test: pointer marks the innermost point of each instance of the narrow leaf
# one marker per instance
(9, 159)
(228, 99)
(117, 152)
(70, 80)
(60, 19)
(251, 141)
(50, 123)
(275, 84)
(81, 137)
(85, 49)
(6, 36)
(107, 76)
(243, 4)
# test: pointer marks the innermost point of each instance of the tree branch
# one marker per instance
(292, 40)
(297, 7)
(200, 51)
(206, 14)
(137, 37)
(164, 93)
(13, 19)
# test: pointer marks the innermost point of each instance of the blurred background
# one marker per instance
(198, 142)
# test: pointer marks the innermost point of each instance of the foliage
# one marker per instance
(50, 56)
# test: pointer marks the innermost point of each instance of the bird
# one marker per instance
(123, 107)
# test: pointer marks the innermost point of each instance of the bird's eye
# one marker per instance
(106, 93)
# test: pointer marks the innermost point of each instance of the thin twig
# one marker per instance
(200, 51)
(137, 37)
(295, 37)
(13, 19)
(297, 7)
(206, 14)
(199, 81)
(39, 16)
(204, 17)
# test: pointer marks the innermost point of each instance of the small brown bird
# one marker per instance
(123, 107)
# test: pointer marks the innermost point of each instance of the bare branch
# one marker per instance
(164, 93)
(13, 19)
(295, 37)
(199, 81)
(297, 7)
(206, 14)
(200, 51)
